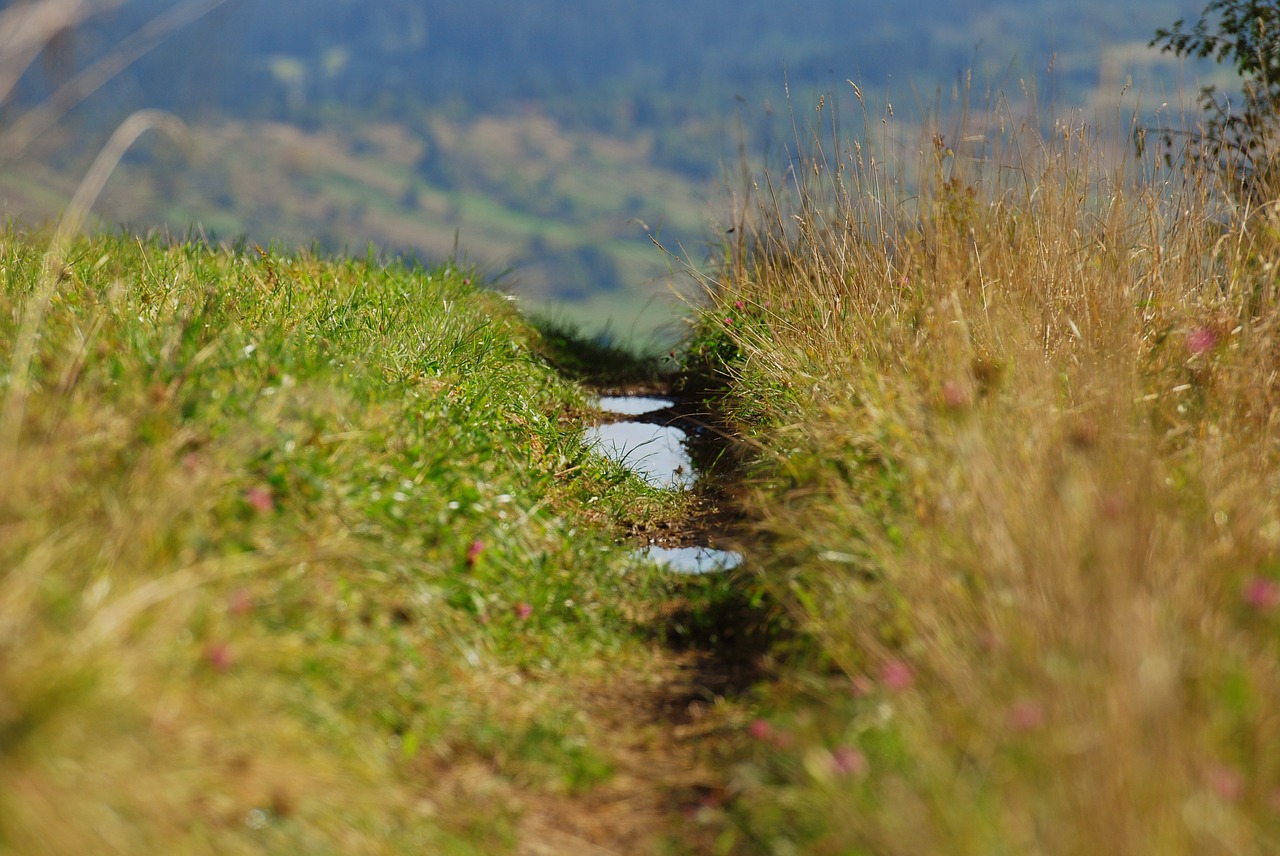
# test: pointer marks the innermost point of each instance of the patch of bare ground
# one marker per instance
(664, 729)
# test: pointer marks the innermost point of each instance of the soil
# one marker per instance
(667, 728)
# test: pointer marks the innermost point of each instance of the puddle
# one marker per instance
(633, 405)
(656, 453)
(693, 560)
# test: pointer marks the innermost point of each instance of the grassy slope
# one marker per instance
(305, 556)
(1020, 489)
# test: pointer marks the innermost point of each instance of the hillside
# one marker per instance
(1018, 481)
(306, 548)
(307, 556)
(623, 118)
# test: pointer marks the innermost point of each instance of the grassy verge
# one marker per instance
(1020, 492)
(299, 556)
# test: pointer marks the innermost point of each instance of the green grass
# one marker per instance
(306, 555)
(299, 555)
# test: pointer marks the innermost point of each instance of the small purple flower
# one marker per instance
(1026, 715)
(954, 395)
(240, 603)
(523, 611)
(1227, 783)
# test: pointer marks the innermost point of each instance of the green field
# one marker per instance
(309, 556)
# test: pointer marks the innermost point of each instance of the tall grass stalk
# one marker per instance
(31, 123)
(1022, 494)
(54, 271)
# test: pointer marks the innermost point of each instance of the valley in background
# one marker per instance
(549, 145)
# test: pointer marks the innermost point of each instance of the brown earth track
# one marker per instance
(665, 729)
(670, 728)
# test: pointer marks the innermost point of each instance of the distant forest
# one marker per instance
(551, 138)
(612, 68)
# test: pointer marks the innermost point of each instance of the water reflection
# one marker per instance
(633, 405)
(656, 453)
(693, 560)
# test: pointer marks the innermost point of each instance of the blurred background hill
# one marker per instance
(548, 138)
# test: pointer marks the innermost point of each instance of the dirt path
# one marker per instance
(670, 726)
(665, 729)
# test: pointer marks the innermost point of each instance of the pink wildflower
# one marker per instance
(240, 603)
(1262, 594)
(1113, 506)
(523, 611)
(954, 395)
(260, 499)
(1200, 340)
(896, 675)
(760, 729)
(1226, 782)
(474, 551)
(218, 655)
(848, 761)
(1026, 715)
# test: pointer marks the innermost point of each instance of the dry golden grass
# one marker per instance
(1023, 492)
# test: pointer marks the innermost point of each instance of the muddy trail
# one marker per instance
(671, 728)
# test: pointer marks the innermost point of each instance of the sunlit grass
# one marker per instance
(1020, 493)
(298, 556)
